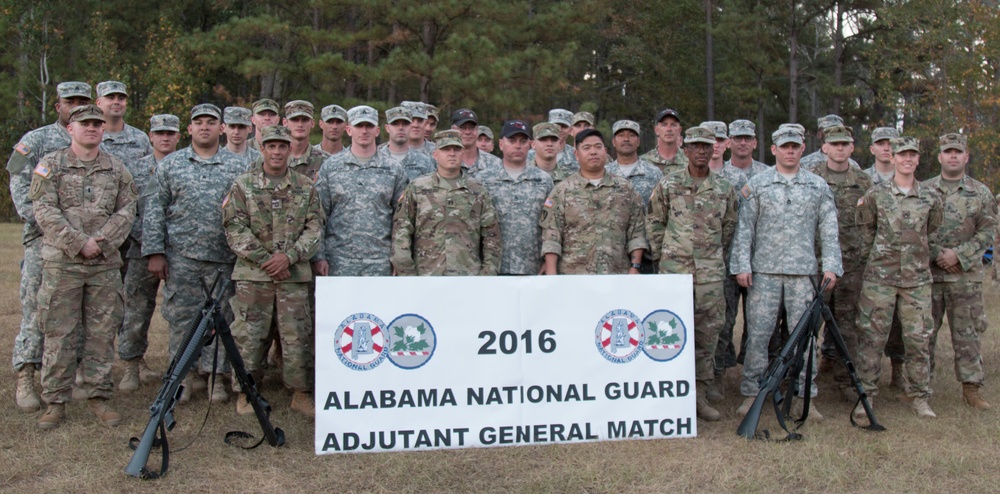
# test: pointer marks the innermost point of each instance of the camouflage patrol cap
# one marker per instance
(795, 126)
(398, 113)
(719, 128)
(700, 134)
(787, 133)
(559, 116)
(276, 133)
(333, 111)
(299, 108)
(583, 116)
(164, 123)
(829, 121)
(625, 125)
(448, 138)
(432, 111)
(546, 129)
(265, 105)
(236, 115)
(206, 109)
(362, 114)
(838, 133)
(86, 112)
(73, 89)
(485, 131)
(742, 128)
(881, 133)
(417, 109)
(953, 141)
(900, 144)
(111, 87)
(513, 127)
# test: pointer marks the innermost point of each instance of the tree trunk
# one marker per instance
(709, 62)
(838, 57)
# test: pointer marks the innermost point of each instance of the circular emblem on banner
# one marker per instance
(619, 336)
(413, 341)
(361, 342)
(665, 335)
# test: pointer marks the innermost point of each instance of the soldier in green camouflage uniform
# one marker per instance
(399, 125)
(140, 284)
(265, 114)
(518, 192)
(968, 227)
(446, 224)
(27, 354)
(359, 190)
(899, 218)
(736, 178)
(667, 155)
(236, 126)
(581, 238)
(640, 173)
(817, 157)
(565, 155)
(273, 223)
(415, 140)
(784, 212)
(333, 122)
(430, 126)
(84, 201)
(691, 221)
(545, 151)
(304, 159)
(183, 238)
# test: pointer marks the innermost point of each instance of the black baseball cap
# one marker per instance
(514, 127)
(667, 113)
(463, 115)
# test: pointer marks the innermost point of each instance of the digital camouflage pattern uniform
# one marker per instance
(666, 166)
(565, 159)
(129, 145)
(593, 228)
(484, 162)
(446, 228)
(73, 202)
(262, 217)
(415, 163)
(518, 202)
(643, 178)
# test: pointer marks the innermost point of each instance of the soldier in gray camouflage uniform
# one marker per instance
(742, 143)
(474, 161)
(333, 122)
(236, 126)
(27, 355)
(518, 192)
(968, 228)
(304, 158)
(418, 124)
(581, 121)
(545, 150)
(667, 155)
(265, 114)
(784, 212)
(484, 139)
(566, 157)
(640, 173)
(140, 284)
(817, 157)
(121, 140)
(399, 126)
(183, 238)
(359, 190)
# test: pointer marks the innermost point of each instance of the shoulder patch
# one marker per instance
(549, 203)
(861, 201)
(225, 201)
(43, 171)
(22, 148)
(746, 191)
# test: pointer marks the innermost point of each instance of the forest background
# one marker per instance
(924, 66)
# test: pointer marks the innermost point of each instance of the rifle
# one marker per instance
(211, 323)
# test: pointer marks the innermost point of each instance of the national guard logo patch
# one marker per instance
(42, 171)
(619, 336)
(549, 203)
(746, 191)
(666, 335)
(361, 342)
(23, 149)
(413, 341)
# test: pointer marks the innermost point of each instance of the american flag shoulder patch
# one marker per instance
(22, 148)
(225, 201)
(42, 171)
(549, 203)
(861, 201)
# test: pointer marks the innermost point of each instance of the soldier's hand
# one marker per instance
(321, 268)
(90, 249)
(282, 276)
(157, 265)
(633, 271)
(745, 280)
(828, 275)
(276, 264)
(947, 260)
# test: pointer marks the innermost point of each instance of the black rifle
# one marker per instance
(211, 324)
(802, 339)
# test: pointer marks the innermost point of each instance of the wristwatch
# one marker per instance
(636, 265)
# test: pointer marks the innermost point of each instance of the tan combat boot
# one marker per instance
(130, 380)
(798, 404)
(146, 374)
(217, 394)
(713, 392)
(52, 417)
(302, 402)
(922, 408)
(99, 407)
(25, 395)
(745, 406)
(243, 406)
(192, 384)
(703, 408)
(970, 392)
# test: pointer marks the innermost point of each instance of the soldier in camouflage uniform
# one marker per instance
(236, 127)
(273, 223)
(359, 190)
(446, 224)
(566, 155)
(518, 192)
(27, 355)
(581, 238)
(848, 185)
(717, 165)
(667, 155)
(742, 143)
(265, 114)
(304, 159)
(399, 124)
(691, 220)
(817, 157)
(418, 123)
(640, 173)
(140, 284)
(333, 122)
(183, 238)
(121, 140)
(473, 160)
(545, 150)
(784, 212)
(968, 227)
(430, 126)
(84, 202)
(484, 139)
(581, 121)
(899, 219)
(881, 149)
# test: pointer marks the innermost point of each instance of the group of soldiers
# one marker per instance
(271, 212)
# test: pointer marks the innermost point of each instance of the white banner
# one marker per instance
(417, 363)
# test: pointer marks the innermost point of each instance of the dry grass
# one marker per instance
(949, 454)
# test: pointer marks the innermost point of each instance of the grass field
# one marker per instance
(950, 454)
